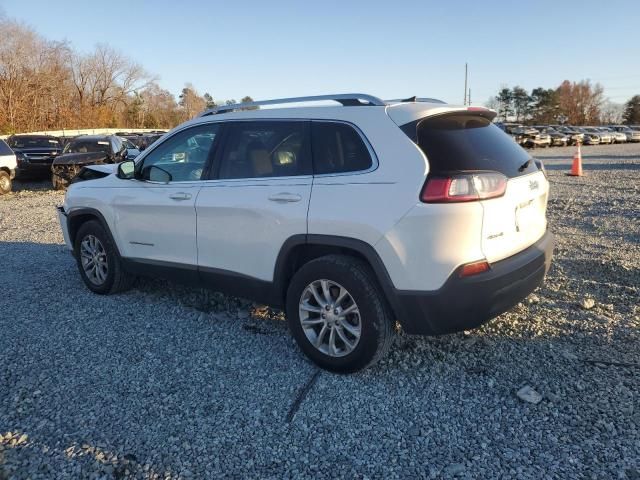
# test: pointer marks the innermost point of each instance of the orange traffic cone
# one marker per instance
(576, 168)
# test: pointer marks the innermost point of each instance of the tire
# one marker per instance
(58, 183)
(113, 278)
(5, 182)
(371, 318)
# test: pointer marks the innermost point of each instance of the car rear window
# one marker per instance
(467, 142)
(4, 148)
(34, 142)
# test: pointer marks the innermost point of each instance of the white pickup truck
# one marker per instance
(8, 166)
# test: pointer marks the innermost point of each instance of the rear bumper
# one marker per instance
(466, 303)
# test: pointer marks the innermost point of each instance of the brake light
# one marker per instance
(474, 268)
(463, 187)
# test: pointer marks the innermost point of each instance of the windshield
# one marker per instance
(464, 142)
(88, 146)
(128, 145)
(34, 142)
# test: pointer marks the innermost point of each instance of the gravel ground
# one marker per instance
(170, 382)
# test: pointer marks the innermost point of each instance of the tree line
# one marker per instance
(47, 85)
(573, 103)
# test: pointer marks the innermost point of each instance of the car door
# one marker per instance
(155, 214)
(257, 198)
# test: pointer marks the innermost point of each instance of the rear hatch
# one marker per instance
(467, 143)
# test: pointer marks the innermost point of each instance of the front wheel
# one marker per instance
(58, 183)
(5, 182)
(98, 260)
(338, 315)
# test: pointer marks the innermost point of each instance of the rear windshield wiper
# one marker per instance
(524, 166)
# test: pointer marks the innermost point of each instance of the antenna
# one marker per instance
(466, 72)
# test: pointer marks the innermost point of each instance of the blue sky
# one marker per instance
(392, 49)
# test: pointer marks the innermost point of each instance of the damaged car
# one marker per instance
(84, 151)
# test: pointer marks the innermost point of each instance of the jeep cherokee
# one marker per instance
(351, 217)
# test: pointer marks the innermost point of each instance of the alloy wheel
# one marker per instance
(330, 318)
(93, 257)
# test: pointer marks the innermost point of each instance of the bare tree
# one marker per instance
(580, 101)
(191, 102)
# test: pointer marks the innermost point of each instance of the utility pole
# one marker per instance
(465, 83)
(469, 97)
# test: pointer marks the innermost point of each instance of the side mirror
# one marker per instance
(127, 170)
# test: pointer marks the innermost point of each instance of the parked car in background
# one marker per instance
(83, 151)
(632, 135)
(575, 135)
(605, 135)
(132, 150)
(590, 137)
(558, 139)
(261, 204)
(148, 139)
(530, 137)
(617, 137)
(141, 140)
(34, 154)
(8, 166)
(134, 138)
(65, 140)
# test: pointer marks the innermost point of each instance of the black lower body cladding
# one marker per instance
(466, 303)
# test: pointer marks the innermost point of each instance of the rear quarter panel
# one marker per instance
(365, 206)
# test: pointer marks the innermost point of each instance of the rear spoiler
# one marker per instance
(411, 128)
(403, 113)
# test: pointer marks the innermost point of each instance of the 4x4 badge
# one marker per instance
(533, 185)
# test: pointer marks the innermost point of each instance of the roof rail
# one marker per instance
(346, 99)
(415, 99)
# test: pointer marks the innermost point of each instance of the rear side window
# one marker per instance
(338, 148)
(265, 149)
(463, 142)
(4, 148)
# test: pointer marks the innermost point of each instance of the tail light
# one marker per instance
(463, 187)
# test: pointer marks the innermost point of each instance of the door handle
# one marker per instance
(180, 196)
(285, 197)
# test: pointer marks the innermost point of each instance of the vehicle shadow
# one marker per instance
(32, 184)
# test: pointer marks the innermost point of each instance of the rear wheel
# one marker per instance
(5, 182)
(98, 260)
(337, 314)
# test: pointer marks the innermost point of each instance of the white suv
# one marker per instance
(350, 217)
(8, 164)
